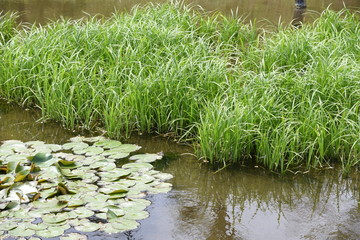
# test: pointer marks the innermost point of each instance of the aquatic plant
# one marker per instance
(48, 188)
(7, 26)
(286, 98)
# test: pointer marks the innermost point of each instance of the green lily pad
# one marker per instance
(127, 148)
(138, 166)
(82, 212)
(124, 224)
(88, 227)
(108, 144)
(136, 215)
(73, 236)
(21, 231)
(55, 218)
(75, 146)
(50, 232)
(163, 176)
(7, 225)
(146, 158)
(90, 151)
(40, 158)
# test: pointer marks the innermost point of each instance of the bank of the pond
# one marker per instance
(285, 99)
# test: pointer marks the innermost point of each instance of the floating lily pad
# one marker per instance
(21, 231)
(87, 227)
(50, 232)
(90, 151)
(75, 146)
(73, 236)
(137, 166)
(146, 158)
(108, 144)
(127, 148)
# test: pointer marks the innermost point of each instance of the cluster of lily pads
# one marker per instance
(46, 189)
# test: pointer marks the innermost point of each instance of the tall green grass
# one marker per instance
(7, 26)
(286, 99)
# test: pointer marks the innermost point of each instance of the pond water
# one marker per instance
(41, 11)
(246, 203)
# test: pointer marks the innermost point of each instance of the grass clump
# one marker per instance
(286, 99)
(7, 26)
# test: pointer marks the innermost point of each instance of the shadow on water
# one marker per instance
(246, 203)
(40, 11)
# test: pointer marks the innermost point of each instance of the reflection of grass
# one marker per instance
(287, 98)
(263, 191)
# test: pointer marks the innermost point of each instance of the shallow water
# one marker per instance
(246, 203)
(40, 11)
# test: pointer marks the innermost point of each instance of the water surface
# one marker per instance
(238, 203)
(40, 11)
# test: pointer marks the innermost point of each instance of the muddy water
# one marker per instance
(41, 11)
(246, 203)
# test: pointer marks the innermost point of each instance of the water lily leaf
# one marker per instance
(125, 224)
(73, 236)
(108, 228)
(143, 178)
(17, 158)
(20, 176)
(110, 214)
(83, 212)
(136, 215)
(72, 203)
(75, 146)
(77, 139)
(145, 158)
(108, 144)
(87, 227)
(55, 218)
(34, 238)
(67, 164)
(50, 232)
(7, 225)
(137, 166)
(54, 147)
(127, 148)
(133, 206)
(21, 231)
(40, 158)
(36, 227)
(10, 167)
(94, 139)
(163, 176)
(33, 143)
(90, 151)
(118, 156)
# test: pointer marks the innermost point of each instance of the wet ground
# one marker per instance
(246, 203)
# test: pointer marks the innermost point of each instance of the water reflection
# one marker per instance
(18, 123)
(41, 11)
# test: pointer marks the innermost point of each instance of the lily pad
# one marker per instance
(138, 166)
(21, 231)
(87, 227)
(90, 151)
(40, 158)
(146, 158)
(50, 232)
(108, 144)
(73, 236)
